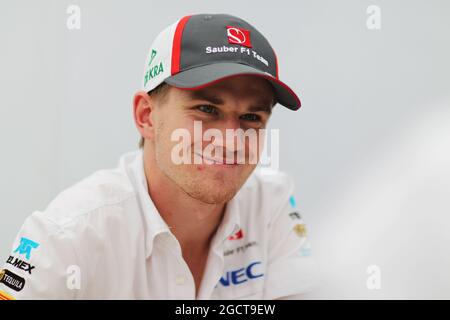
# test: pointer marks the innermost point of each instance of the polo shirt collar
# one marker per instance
(155, 224)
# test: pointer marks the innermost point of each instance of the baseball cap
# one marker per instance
(199, 50)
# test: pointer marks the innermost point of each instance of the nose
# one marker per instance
(232, 145)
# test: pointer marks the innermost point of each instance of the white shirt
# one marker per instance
(103, 238)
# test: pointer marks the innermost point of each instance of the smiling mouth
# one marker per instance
(216, 161)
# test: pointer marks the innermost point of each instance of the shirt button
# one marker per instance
(180, 280)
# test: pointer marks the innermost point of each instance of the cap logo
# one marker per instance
(152, 55)
(153, 71)
(238, 36)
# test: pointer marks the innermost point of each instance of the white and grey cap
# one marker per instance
(199, 50)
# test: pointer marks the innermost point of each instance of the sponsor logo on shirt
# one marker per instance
(11, 280)
(20, 264)
(5, 296)
(292, 202)
(295, 215)
(300, 230)
(238, 235)
(241, 275)
(305, 251)
(240, 249)
(25, 247)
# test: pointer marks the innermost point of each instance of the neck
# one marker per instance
(193, 222)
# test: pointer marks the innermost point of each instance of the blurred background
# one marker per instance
(369, 149)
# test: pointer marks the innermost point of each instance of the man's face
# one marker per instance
(241, 102)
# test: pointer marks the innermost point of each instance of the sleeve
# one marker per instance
(37, 265)
(291, 268)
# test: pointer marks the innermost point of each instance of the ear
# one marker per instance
(143, 106)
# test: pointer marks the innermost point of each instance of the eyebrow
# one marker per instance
(261, 104)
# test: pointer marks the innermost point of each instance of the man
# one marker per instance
(179, 220)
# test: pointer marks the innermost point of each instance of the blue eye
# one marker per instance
(206, 108)
(251, 117)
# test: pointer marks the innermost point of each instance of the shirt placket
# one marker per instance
(181, 282)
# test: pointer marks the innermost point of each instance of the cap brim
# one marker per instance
(202, 76)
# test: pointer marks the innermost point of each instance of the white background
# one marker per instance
(369, 149)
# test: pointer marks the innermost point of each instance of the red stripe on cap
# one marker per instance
(276, 64)
(176, 45)
(276, 61)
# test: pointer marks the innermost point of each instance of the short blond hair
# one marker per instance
(159, 93)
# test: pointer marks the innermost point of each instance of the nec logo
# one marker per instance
(241, 275)
(238, 36)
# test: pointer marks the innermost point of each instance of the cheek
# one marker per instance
(167, 126)
(173, 133)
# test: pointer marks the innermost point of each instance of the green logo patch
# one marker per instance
(152, 55)
(153, 71)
